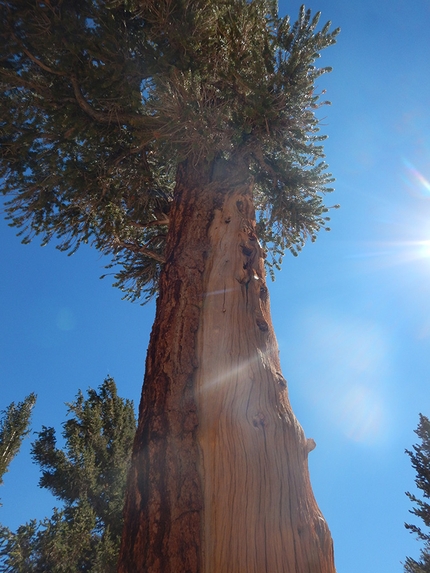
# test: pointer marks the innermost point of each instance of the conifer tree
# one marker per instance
(420, 458)
(180, 137)
(88, 478)
(14, 426)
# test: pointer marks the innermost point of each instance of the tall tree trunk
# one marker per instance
(219, 481)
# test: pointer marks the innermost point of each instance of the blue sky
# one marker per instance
(352, 312)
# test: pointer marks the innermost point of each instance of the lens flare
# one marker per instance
(65, 319)
(416, 180)
(349, 387)
(361, 415)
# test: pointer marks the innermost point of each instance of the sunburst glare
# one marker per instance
(405, 224)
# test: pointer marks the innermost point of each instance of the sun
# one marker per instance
(423, 249)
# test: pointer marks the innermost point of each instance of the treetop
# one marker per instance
(103, 100)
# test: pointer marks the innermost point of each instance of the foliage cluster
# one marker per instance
(103, 99)
(420, 458)
(88, 478)
(13, 429)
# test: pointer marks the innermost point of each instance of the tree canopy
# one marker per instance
(88, 477)
(102, 100)
(14, 426)
(420, 458)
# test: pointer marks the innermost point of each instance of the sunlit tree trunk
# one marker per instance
(219, 482)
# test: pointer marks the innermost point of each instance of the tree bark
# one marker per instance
(219, 480)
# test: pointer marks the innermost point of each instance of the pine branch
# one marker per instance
(18, 81)
(141, 249)
(156, 223)
(98, 116)
(36, 60)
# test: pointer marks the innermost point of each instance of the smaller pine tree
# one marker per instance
(14, 426)
(88, 477)
(420, 458)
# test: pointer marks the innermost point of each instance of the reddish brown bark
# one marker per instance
(219, 481)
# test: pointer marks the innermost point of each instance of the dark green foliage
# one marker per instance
(88, 477)
(13, 429)
(59, 545)
(420, 458)
(103, 99)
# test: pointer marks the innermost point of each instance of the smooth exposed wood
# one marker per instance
(219, 482)
(260, 515)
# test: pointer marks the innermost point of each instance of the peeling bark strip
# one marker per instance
(219, 482)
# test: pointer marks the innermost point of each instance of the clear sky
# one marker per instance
(352, 312)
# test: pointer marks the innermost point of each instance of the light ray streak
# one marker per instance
(417, 177)
(238, 369)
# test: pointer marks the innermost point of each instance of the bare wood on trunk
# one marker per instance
(260, 515)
